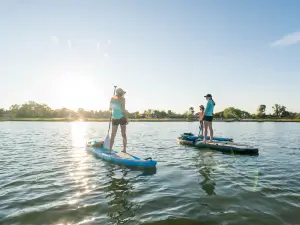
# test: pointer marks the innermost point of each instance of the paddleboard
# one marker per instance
(227, 147)
(192, 137)
(97, 149)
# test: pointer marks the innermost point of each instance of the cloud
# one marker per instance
(287, 40)
(109, 42)
(69, 44)
(98, 46)
(55, 40)
(105, 55)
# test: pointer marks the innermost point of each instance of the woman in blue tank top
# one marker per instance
(208, 117)
(117, 107)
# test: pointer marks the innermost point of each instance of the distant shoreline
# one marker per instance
(142, 120)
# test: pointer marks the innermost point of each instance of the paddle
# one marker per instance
(107, 138)
(131, 155)
(137, 158)
(200, 129)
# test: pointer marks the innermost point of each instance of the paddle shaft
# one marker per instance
(200, 127)
(111, 112)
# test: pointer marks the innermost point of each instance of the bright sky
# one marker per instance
(165, 54)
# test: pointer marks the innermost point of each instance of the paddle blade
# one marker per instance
(107, 141)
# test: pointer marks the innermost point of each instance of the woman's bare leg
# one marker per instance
(211, 132)
(124, 136)
(205, 130)
(114, 130)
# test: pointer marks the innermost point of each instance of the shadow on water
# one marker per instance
(144, 171)
(120, 190)
(204, 165)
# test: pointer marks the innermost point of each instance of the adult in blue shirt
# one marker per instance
(117, 106)
(208, 117)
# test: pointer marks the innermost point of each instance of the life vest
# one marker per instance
(200, 115)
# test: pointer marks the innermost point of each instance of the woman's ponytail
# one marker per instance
(213, 102)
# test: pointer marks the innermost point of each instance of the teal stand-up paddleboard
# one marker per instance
(97, 149)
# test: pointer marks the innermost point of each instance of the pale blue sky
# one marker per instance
(165, 54)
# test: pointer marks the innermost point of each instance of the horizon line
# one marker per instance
(140, 112)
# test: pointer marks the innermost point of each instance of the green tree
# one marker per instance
(245, 114)
(81, 113)
(279, 110)
(14, 109)
(232, 112)
(219, 114)
(190, 114)
(283, 111)
(148, 113)
(276, 109)
(286, 114)
(2, 112)
(261, 111)
(170, 113)
(229, 113)
(191, 111)
(163, 114)
(136, 115)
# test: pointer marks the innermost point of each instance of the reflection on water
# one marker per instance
(119, 191)
(78, 130)
(205, 164)
(79, 168)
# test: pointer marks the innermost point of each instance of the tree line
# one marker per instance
(33, 109)
(279, 111)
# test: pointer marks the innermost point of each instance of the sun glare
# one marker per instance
(78, 134)
(79, 92)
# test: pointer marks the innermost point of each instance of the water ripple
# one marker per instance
(47, 177)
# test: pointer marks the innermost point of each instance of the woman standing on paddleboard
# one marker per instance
(117, 105)
(208, 117)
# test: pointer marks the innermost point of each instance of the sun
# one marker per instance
(78, 91)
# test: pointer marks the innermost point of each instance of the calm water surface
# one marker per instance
(47, 177)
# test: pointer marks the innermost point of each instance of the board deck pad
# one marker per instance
(224, 144)
(123, 155)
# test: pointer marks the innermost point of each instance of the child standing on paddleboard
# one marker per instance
(201, 115)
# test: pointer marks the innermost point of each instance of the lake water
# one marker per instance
(47, 177)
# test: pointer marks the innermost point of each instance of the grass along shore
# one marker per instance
(142, 120)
